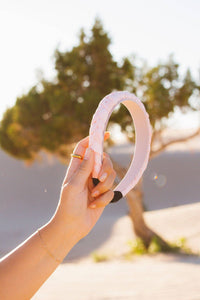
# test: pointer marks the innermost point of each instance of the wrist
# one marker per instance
(58, 237)
(67, 228)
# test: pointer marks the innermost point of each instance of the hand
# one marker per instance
(77, 212)
(79, 205)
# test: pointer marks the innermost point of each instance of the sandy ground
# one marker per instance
(143, 279)
(29, 197)
(147, 277)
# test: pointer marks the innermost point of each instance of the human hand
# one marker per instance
(79, 206)
(77, 212)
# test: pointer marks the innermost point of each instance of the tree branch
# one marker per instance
(156, 152)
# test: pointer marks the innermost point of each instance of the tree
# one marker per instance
(161, 89)
(55, 114)
(66, 105)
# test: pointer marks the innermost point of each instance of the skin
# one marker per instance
(29, 265)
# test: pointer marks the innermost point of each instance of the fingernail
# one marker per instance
(93, 205)
(87, 153)
(103, 177)
(95, 194)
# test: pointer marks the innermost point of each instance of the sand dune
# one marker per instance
(148, 277)
(29, 196)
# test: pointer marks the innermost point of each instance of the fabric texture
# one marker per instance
(143, 136)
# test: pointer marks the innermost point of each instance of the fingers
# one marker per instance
(79, 149)
(106, 176)
(102, 200)
(102, 187)
(82, 174)
(106, 167)
(102, 193)
(83, 144)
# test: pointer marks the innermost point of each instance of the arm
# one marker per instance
(28, 266)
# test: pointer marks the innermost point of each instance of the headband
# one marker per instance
(142, 144)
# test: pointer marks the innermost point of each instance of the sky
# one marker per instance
(30, 31)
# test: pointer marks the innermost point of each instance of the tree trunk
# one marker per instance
(135, 203)
(134, 200)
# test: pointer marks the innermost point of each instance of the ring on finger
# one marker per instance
(77, 156)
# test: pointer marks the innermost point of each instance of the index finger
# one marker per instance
(80, 149)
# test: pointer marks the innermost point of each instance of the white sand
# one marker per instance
(29, 197)
(143, 279)
(147, 277)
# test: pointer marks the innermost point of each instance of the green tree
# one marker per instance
(55, 114)
(162, 89)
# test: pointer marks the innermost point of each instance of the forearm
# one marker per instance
(28, 266)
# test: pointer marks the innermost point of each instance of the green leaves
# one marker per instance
(55, 114)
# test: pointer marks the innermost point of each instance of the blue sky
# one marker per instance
(31, 30)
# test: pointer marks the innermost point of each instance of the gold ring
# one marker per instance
(76, 156)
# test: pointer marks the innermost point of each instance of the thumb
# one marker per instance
(85, 169)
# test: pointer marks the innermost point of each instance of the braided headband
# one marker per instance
(143, 138)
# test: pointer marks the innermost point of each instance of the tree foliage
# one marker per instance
(56, 113)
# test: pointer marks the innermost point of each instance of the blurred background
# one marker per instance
(58, 59)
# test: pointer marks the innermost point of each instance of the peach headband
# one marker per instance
(143, 138)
